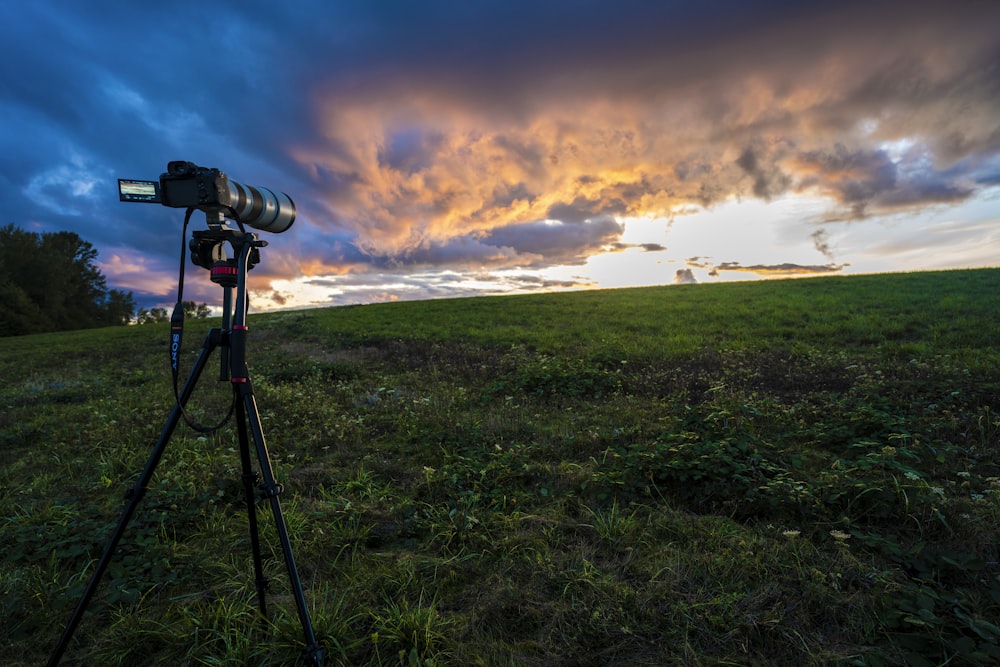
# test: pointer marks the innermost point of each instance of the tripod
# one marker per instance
(230, 339)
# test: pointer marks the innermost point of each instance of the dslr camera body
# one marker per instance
(186, 185)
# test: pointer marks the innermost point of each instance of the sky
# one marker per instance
(439, 149)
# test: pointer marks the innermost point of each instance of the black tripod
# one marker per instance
(231, 340)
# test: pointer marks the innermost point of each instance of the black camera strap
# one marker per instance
(177, 317)
(177, 336)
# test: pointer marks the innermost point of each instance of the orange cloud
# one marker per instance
(785, 269)
(433, 159)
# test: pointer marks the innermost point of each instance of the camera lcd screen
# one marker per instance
(141, 191)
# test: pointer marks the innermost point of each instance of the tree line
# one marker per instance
(49, 282)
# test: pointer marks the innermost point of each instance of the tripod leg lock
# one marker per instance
(272, 491)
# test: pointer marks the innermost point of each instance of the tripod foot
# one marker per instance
(315, 654)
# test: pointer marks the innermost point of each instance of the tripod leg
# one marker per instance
(135, 495)
(272, 490)
(250, 479)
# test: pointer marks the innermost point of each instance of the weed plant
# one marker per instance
(799, 473)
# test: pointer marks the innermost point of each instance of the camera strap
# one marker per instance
(177, 317)
(177, 336)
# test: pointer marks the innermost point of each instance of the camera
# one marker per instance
(186, 185)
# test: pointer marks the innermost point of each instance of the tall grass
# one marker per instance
(800, 472)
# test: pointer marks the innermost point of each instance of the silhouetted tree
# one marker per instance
(18, 313)
(191, 309)
(196, 310)
(119, 307)
(48, 282)
(152, 315)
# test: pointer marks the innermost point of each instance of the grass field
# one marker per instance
(798, 472)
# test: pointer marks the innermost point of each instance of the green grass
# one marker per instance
(799, 472)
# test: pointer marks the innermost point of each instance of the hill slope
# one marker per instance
(800, 472)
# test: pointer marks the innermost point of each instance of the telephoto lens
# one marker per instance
(262, 208)
(186, 185)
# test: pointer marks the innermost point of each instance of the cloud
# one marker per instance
(374, 286)
(61, 189)
(529, 244)
(684, 277)
(768, 179)
(555, 241)
(697, 262)
(821, 239)
(784, 269)
(862, 180)
(647, 131)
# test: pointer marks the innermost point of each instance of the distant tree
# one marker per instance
(152, 315)
(196, 310)
(19, 315)
(191, 309)
(49, 282)
(119, 307)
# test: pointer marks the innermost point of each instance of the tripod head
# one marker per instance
(208, 250)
